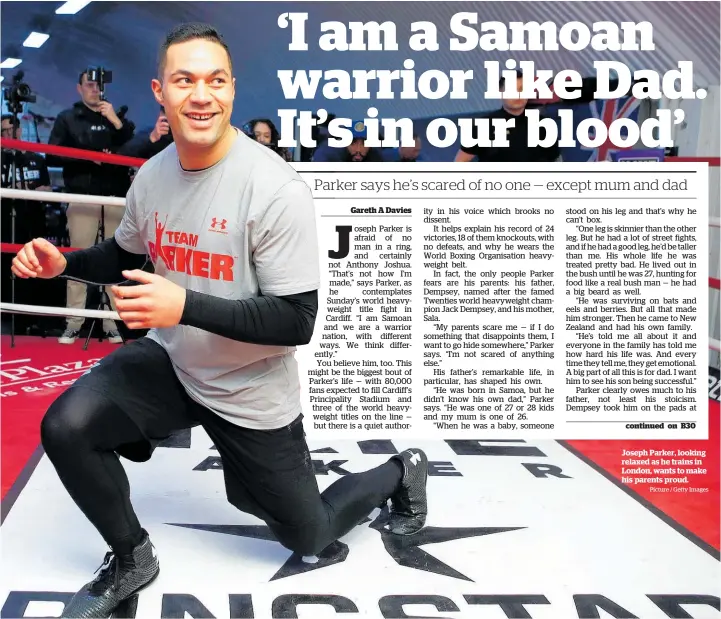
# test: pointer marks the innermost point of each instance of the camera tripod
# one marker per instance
(15, 95)
(14, 169)
(104, 303)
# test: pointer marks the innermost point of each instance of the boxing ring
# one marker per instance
(517, 528)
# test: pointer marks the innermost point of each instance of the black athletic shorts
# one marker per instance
(268, 473)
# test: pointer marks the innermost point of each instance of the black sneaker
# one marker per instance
(409, 505)
(119, 579)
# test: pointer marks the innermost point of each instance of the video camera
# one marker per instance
(18, 93)
(100, 76)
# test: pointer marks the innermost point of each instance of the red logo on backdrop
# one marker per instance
(178, 251)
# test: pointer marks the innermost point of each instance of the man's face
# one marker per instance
(197, 92)
(262, 133)
(516, 106)
(358, 151)
(7, 130)
(89, 92)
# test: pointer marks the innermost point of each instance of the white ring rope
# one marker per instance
(58, 311)
(52, 196)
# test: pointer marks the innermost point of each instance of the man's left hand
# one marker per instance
(156, 303)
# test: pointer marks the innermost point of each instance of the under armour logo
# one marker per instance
(221, 223)
(415, 458)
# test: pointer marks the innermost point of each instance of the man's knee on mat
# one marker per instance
(305, 538)
(308, 541)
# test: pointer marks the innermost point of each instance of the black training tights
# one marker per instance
(82, 430)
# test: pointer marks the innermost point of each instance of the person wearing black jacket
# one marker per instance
(148, 143)
(31, 173)
(518, 149)
(90, 124)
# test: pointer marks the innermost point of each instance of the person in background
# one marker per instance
(405, 154)
(356, 151)
(411, 153)
(517, 149)
(147, 144)
(262, 130)
(90, 124)
(31, 172)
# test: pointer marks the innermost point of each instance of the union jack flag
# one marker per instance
(605, 110)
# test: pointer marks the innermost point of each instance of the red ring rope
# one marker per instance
(73, 153)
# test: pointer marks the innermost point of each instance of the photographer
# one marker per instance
(147, 144)
(91, 124)
(31, 169)
(31, 173)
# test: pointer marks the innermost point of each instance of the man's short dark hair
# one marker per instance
(80, 77)
(190, 32)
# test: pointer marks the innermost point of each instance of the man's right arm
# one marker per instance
(103, 263)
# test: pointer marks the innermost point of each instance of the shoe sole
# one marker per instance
(127, 609)
(64, 340)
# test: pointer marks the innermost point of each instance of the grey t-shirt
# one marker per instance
(243, 227)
